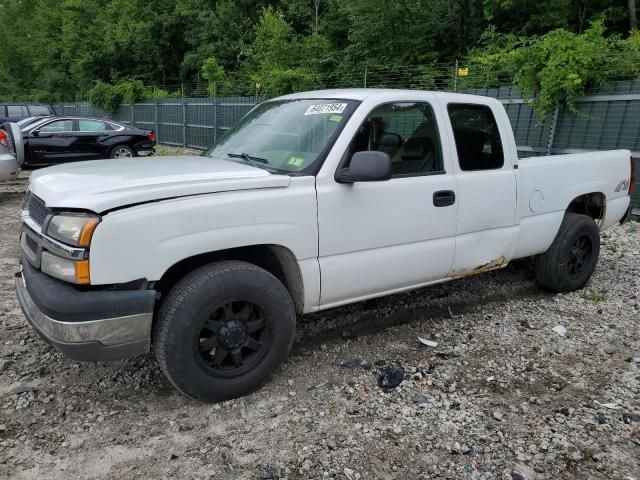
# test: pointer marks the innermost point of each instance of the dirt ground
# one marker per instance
(501, 396)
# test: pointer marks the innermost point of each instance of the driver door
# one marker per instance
(51, 142)
(380, 237)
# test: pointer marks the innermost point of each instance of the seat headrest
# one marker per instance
(391, 140)
(416, 148)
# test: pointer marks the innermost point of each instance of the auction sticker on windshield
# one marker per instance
(332, 108)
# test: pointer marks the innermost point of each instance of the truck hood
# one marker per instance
(102, 185)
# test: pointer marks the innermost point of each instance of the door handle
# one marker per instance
(444, 198)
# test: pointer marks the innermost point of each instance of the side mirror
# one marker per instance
(38, 133)
(370, 166)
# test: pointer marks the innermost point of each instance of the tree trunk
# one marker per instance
(581, 13)
(633, 15)
(316, 5)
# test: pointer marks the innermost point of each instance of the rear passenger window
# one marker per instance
(477, 137)
(92, 126)
(16, 111)
(39, 110)
(407, 132)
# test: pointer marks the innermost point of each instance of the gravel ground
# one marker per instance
(501, 396)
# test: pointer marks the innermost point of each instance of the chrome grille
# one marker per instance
(37, 209)
(31, 243)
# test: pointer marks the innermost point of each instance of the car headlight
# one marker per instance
(73, 271)
(73, 229)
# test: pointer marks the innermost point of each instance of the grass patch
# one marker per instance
(166, 150)
(595, 297)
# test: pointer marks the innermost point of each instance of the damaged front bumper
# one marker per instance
(92, 325)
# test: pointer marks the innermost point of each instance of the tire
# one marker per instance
(570, 261)
(220, 308)
(122, 151)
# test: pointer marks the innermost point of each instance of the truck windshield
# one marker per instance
(285, 135)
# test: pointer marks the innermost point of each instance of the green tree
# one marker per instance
(214, 74)
(560, 65)
(274, 58)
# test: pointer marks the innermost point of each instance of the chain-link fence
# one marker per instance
(607, 118)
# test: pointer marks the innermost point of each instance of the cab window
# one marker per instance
(407, 132)
(477, 137)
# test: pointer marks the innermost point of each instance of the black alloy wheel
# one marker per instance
(579, 255)
(233, 339)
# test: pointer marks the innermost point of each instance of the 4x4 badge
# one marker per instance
(623, 185)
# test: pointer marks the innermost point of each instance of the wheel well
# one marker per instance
(277, 260)
(592, 204)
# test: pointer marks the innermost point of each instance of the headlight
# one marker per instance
(73, 229)
(73, 271)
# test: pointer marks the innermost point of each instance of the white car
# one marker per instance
(313, 200)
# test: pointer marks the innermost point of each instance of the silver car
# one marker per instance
(11, 150)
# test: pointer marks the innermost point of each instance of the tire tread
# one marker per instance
(185, 287)
(549, 266)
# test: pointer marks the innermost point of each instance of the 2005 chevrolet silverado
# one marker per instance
(313, 200)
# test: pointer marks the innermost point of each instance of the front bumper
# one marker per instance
(8, 166)
(86, 325)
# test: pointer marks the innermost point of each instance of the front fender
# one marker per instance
(144, 241)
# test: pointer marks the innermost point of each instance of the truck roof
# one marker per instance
(363, 93)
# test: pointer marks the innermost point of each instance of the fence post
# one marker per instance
(215, 119)
(365, 76)
(155, 118)
(455, 77)
(552, 130)
(133, 116)
(184, 123)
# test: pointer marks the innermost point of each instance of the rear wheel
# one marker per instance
(572, 257)
(223, 330)
(122, 151)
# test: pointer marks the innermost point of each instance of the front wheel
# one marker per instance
(223, 330)
(572, 257)
(122, 151)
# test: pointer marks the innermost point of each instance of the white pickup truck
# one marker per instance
(311, 201)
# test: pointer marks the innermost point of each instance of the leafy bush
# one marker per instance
(105, 96)
(132, 90)
(108, 97)
(161, 94)
(284, 80)
(560, 65)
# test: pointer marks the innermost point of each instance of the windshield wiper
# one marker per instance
(249, 158)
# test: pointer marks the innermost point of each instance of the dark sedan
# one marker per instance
(52, 140)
